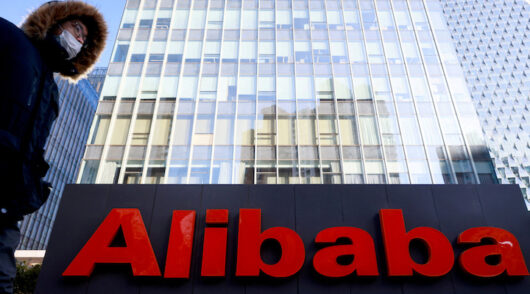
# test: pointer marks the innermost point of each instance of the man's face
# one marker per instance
(77, 29)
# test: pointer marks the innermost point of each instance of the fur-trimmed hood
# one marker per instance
(39, 22)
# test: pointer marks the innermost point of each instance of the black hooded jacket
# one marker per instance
(29, 98)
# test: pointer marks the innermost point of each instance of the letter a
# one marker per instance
(137, 252)
(473, 260)
(362, 248)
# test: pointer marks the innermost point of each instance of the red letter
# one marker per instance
(473, 260)
(180, 243)
(362, 248)
(249, 242)
(138, 251)
(214, 246)
(397, 240)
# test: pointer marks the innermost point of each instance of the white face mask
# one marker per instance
(70, 44)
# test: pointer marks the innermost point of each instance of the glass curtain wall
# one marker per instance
(284, 92)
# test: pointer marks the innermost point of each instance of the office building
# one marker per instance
(64, 151)
(96, 78)
(277, 92)
(491, 39)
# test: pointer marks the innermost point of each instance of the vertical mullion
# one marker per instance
(157, 103)
(216, 113)
(467, 147)
(117, 103)
(353, 101)
(335, 101)
(197, 100)
(177, 101)
(394, 103)
(236, 119)
(317, 100)
(376, 113)
(256, 92)
(414, 98)
(137, 104)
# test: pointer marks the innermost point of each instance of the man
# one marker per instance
(64, 37)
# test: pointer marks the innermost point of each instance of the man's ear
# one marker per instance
(56, 29)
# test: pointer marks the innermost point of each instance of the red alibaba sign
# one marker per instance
(139, 253)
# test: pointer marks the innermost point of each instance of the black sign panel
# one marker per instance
(307, 209)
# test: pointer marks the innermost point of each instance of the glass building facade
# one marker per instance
(491, 39)
(64, 151)
(277, 92)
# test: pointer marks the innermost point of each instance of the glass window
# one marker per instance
(209, 84)
(212, 48)
(375, 52)
(137, 57)
(146, 23)
(248, 51)
(193, 50)
(352, 19)
(247, 86)
(419, 88)
(161, 130)
(121, 53)
(285, 88)
(334, 17)
(190, 90)
(266, 84)
(381, 88)
(368, 130)
(227, 88)
(224, 131)
(141, 131)
(385, 19)
(121, 129)
(204, 124)
(245, 131)
(343, 88)
(284, 52)
(231, 20)
(400, 88)
(266, 130)
(168, 87)
(283, 19)
(307, 130)
(101, 128)
(402, 19)
(348, 130)
(338, 52)
(361, 88)
(182, 131)
(356, 50)
(431, 131)
(222, 172)
(393, 54)
(229, 51)
(410, 52)
(197, 19)
(304, 88)
(410, 131)
(266, 48)
(180, 19)
(287, 131)
(250, 19)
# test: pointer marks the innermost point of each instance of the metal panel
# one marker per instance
(307, 209)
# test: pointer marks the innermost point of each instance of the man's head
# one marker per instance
(72, 35)
(81, 26)
(76, 28)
